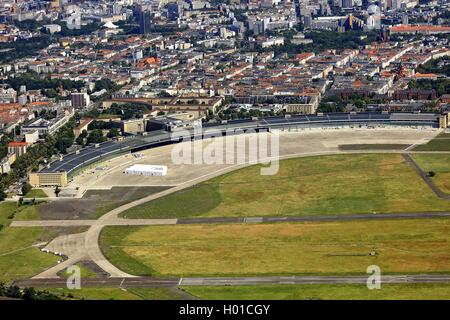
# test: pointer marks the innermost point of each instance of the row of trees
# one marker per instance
(26, 47)
(241, 113)
(108, 85)
(49, 87)
(36, 154)
(4, 140)
(34, 26)
(442, 86)
(35, 82)
(324, 40)
(26, 293)
(22, 48)
(96, 136)
(335, 103)
(438, 66)
(124, 111)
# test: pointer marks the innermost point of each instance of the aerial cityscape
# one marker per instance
(225, 150)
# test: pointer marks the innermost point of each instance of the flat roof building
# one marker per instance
(48, 179)
(82, 126)
(47, 126)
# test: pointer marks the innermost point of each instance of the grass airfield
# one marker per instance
(324, 292)
(325, 248)
(335, 184)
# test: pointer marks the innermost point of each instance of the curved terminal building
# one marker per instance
(56, 173)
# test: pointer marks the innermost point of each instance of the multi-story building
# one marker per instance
(6, 162)
(47, 126)
(48, 179)
(18, 148)
(80, 100)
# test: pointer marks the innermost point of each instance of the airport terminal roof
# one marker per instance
(75, 161)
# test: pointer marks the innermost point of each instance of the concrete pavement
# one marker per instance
(136, 282)
(311, 218)
(424, 175)
(52, 223)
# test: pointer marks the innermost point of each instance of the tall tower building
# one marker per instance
(145, 19)
(297, 10)
(405, 19)
(347, 4)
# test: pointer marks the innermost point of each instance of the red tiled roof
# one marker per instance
(17, 144)
(408, 28)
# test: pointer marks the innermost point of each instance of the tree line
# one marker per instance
(35, 82)
(35, 155)
(15, 292)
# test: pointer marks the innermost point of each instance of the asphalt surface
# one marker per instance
(147, 222)
(425, 177)
(343, 217)
(233, 281)
(88, 155)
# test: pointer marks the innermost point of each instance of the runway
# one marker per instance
(147, 282)
(148, 222)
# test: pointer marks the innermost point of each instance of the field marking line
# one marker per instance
(419, 142)
(14, 251)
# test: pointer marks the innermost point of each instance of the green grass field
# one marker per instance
(337, 184)
(18, 259)
(7, 210)
(402, 246)
(10, 211)
(440, 164)
(116, 293)
(324, 292)
(36, 193)
(440, 143)
(85, 272)
(351, 147)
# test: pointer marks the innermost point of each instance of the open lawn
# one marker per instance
(36, 193)
(10, 211)
(440, 164)
(350, 147)
(85, 272)
(116, 293)
(18, 258)
(324, 292)
(440, 143)
(337, 184)
(7, 210)
(401, 246)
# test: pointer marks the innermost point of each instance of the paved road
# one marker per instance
(341, 217)
(233, 281)
(425, 177)
(52, 223)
